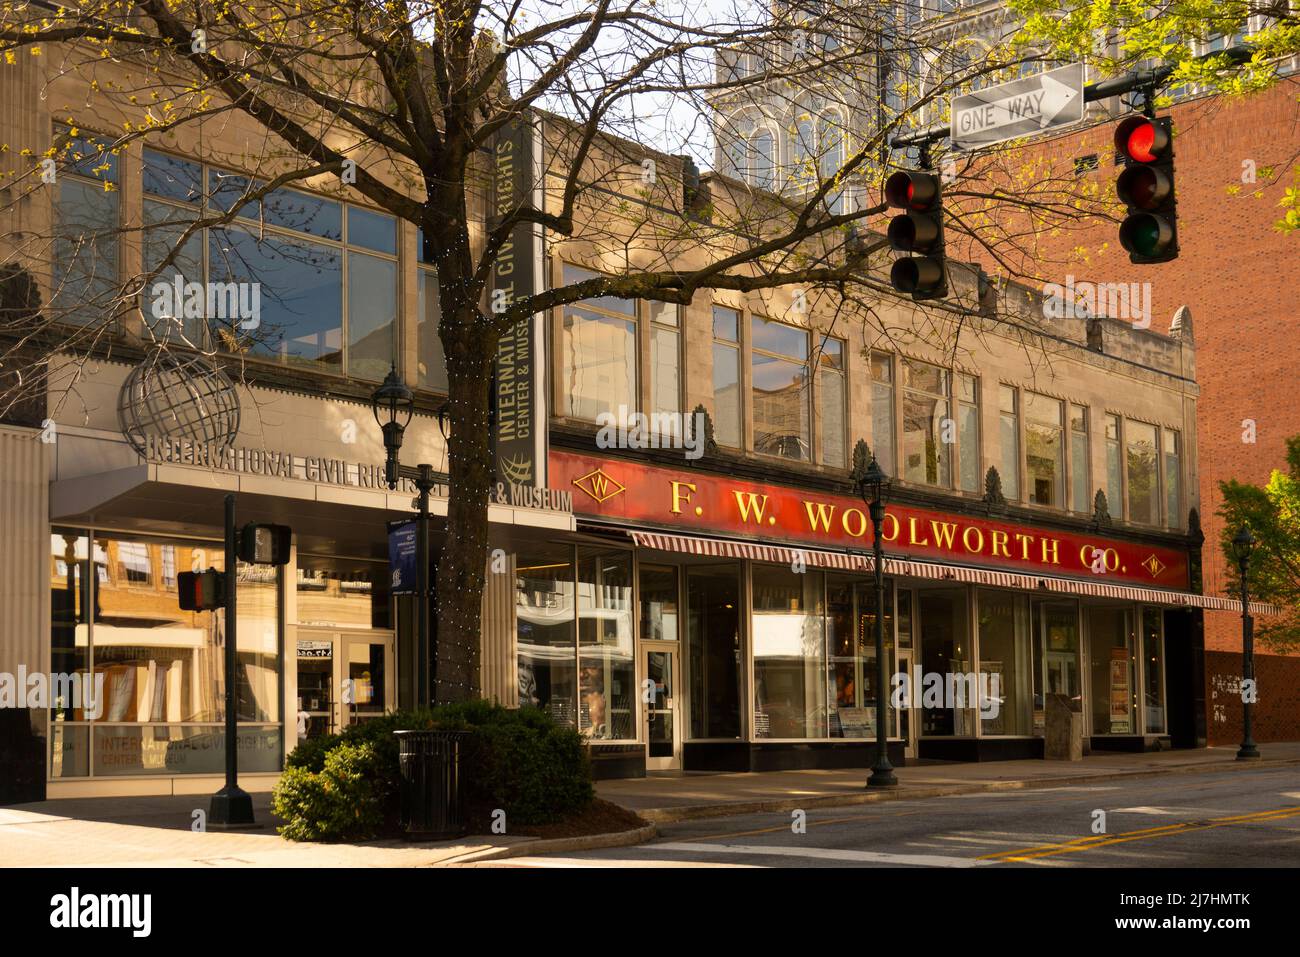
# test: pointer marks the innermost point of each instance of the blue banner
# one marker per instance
(401, 558)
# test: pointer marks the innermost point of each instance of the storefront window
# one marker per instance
(69, 655)
(1006, 666)
(1044, 450)
(713, 653)
(607, 669)
(926, 456)
(1153, 674)
(545, 617)
(726, 377)
(882, 411)
(1056, 655)
(1114, 688)
(945, 652)
(865, 595)
(789, 654)
(781, 390)
(1143, 480)
(660, 617)
(343, 592)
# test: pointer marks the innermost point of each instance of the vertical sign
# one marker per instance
(519, 438)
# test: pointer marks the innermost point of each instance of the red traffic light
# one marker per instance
(201, 591)
(1141, 140)
(911, 190)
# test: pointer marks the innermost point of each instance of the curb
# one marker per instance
(697, 812)
(558, 845)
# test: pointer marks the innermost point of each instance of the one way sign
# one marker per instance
(1033, 104)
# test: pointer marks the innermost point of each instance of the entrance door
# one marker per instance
(342, 678)
(366, 679)
(907, 723)
(659, 700)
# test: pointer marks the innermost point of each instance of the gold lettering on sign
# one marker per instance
(862, 522)
(1024, 541)
(749, 504)
(943, 533)
(999, 541)
(1054, 559)
(911, 533)
(965, 539)
(884, 528)
(680, 497)
(822, 520)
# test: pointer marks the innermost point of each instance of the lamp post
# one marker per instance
(872, 486)
(393, 405)
(1243, 543)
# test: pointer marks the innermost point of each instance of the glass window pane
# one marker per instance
(832, 419)
(713, 653)
(726, 324)
(300, 291)
(606, 677)
(85, 253)
(172, 177)
(945, 650)
(1044, 451)
(660, 615)
(432, 367)
(779, 338)
(1143, 482)
(347, 592)
(968, 442)
(1153, 670)
(1006, 685)
(925, 454)
(1082, 501)
(70, 655)
(1042, 410)
(1114, 469)
(286, 208)
(1009, 448)
(882, 426)
(372, 316)
(882, 369)
(163, 310)
(925, 377)
(1006, 398)
(87, 154)
(598, 371)
(781, 425)
(789, 654)
(1114, 688)
(576, 274)
(1173, 479)
(664, 313)
(763, 158)
(376, 231)
(966, 388)
(831, 353)
(544, 615)
(726, 395)
(665, 372)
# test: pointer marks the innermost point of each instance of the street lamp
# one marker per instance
(873, 486)
(1243, 543)
(393, 406)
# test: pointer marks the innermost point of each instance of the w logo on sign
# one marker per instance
(599, 485)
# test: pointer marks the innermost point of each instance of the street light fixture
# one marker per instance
(393, 405)
(873, 485)
(1243, 544)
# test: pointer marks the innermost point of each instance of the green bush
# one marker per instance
(520, 761)
(343, 801)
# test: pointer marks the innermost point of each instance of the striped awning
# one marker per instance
(862, 562)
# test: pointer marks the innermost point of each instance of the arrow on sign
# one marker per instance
(1043, 104)
(1017, 108)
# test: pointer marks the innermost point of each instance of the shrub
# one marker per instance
(343, 801)
(520, 761)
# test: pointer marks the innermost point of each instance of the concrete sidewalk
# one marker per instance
(677, 797)
(156, 832)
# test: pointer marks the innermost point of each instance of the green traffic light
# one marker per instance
(1145, 235)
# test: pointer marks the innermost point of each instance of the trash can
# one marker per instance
(432, 809)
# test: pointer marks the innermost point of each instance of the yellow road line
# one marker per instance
(1089, 843)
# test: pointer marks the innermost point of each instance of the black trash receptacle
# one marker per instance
(432, 809)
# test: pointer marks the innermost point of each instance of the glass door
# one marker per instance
(317, 713)
(906, 720)
(659, 699)
(366, 681)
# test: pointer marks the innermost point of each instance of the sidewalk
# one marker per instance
(678, 797)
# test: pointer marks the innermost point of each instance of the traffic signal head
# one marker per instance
(919, 231)
(201, 591)
(1146, 187)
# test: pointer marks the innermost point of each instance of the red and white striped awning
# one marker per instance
(861, 562)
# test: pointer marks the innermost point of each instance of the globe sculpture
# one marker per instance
(178, 397)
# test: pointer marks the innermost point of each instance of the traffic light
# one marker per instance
(919, 231)
(265, 544)
(1146, 186)
(201, 591)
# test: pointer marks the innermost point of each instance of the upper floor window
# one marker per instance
(966, 396)
(1114, 467)
(1172, 467)
(1044, 450)
(926, 456)
(431, 361)
(87, 218)
(834, 394)
(1009, 441)
(1080, 499)
(779, 371)
(297, 278)
(1143, 473)
(728, 416)
(598, 350)
(762, 159)
(882, 410)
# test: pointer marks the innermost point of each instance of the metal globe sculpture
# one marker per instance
(178, 397)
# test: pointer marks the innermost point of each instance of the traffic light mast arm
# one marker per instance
(1142, 80)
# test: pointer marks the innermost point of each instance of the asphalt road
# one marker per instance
(1242, 818)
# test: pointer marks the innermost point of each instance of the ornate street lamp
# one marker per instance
(393, 406)
(873, 485)
(1243, 543)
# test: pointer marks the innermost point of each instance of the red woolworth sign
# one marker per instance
(700, 504)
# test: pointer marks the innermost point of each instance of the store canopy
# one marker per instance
(849, 561)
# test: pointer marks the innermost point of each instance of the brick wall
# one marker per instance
(1277, 710)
